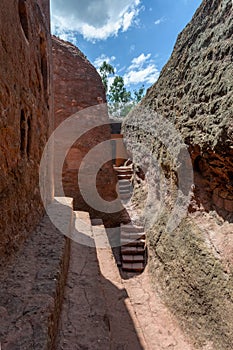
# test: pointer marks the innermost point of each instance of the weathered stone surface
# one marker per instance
(195, 95)
(25, 117)
(77, 86)
(32, 290)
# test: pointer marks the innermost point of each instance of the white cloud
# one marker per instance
(142, 70)
(147, 75)
(139, 61)
(159, 21)
(94, 19)
(68, 36)
(99, 60)
(132, 47)
(127, 20)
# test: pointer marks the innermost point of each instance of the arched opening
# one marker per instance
(23, 17)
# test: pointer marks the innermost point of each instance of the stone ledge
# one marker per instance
(32, 287)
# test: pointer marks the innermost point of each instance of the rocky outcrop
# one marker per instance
(77, 87)
(25, 117)
(181, 134)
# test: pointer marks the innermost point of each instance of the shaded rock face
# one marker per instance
(25, 116)
(77, 86)
(190, 108)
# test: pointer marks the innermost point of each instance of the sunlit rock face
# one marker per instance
(191, 107)
(78, 90)
(25, 116)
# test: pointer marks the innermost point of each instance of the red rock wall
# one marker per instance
(77, 85)
(25, 117)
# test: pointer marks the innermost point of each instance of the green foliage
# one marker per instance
(138, 95)
(120, 101)
(105, 70)
(118, 92)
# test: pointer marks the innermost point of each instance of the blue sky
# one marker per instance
(135, 36)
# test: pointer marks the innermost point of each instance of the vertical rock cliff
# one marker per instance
(25, 117)
(181, 136)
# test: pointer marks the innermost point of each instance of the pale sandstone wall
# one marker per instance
(77, 85)
(25, 96)
(195, 94)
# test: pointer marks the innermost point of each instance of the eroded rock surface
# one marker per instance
(191, 104)
(25, 117)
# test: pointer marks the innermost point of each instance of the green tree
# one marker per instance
(120, 100)
(118, 92)
(138, 94)
(105, 70)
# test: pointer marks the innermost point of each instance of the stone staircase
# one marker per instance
(132, 237)
(133, 247)
(124, 174)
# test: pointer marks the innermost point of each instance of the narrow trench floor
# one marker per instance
(103, 311)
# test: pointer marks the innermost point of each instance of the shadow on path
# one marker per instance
(94, 314)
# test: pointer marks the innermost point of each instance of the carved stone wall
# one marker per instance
(77, 86)
(25, 117)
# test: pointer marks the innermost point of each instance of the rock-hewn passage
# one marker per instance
(192, 103)
(25, 117)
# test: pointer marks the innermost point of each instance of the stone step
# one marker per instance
(132, 228)
(125, 188)
(125, 196)
(132, 250)
(125, 185)
(123, 168)
(124, 176)
(132, 235)
(124, 172)
(133, 258)
(96, 222)
(133, 243)
(134, 267)
(123, 191)
(124, 182)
